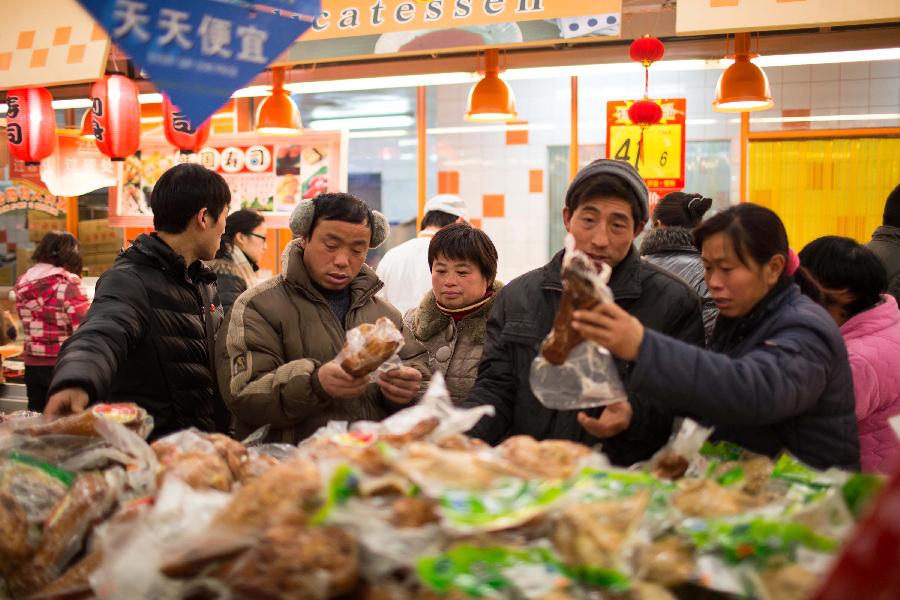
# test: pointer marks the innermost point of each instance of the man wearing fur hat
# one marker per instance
(284, 334)
(606, 208)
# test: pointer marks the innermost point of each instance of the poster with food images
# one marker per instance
(271, 174)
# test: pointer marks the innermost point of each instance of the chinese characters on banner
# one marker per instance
(661, 159)
(27, 192)
(269, 174)
(200, 52)
(76, 167)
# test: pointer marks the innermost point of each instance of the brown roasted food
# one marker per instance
(289, 562)
(413, 511)
(460, 441)
(85, 423)
(368, 346)
(418, 432)
(705, 498)
(593, 533)
(426, 464)
(200, 470)
(579, 293)
(233, 452)
(88, 501)
(757, 472)
(255, 466)
(789, 582)
(28, 495)
(286, 493)
(73, 584)
(550, 459)
(668, 561)
(671, 465)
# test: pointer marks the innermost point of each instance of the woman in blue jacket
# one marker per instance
(776, 377)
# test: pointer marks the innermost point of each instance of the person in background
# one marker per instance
(853, 281)
(404, 269)
(8, 334)
(240, 251)
(605, 210)
(283, 335)
(670, 245)
(885, 242)
(451, 319)
(149, 334)
(51, 302)
(776, 377)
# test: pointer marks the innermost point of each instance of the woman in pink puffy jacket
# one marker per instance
(854, 281)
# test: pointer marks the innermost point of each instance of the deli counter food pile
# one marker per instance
(406, 508)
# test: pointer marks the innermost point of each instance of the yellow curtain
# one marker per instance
(834, 186)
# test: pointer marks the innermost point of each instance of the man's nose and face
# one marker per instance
(604, 228)
(335, 252)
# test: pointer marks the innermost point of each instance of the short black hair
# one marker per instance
(461, 241)
(182, 192)
(604, 185)
(438, 218)
(60, 249)
(341, 206)
(892, 208)
(840, 263)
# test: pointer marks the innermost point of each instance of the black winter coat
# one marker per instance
(886, 244)
(523, 315)
(148, 339)
(777, 379)
(672, 249)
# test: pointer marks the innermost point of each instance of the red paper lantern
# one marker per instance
(645, 113)
(116, 116)
(647, 50)
(179, 130)
(30, 124)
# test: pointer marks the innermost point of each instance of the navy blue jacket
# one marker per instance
(777, 379)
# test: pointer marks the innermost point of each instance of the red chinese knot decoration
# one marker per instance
(116, 116)
(30, 124)
(179, 130)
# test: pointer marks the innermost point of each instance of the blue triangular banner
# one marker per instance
(200, 52)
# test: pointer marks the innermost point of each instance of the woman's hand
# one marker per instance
(608, 325)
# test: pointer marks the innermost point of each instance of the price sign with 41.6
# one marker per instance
(660, 158)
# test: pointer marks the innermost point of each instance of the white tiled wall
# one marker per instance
(487, 165)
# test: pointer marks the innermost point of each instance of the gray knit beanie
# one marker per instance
(302, 218)
(618, 168)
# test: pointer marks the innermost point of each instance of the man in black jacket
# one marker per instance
(606, 208)
(148, 336)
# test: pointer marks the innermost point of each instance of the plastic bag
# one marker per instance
(194, 457)
(587, 379)
(673, 460)
(583, 289)
(368, 346)
(84, 423)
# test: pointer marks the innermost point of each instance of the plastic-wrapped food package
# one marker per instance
(672, 461)
(29, 491)
(85, 423)
(90, 499)
(368, 346)
(193, 457)
(549, 459)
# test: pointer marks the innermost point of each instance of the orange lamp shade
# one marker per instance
(278, 113)
(30, 124)
(87, 131)
(116, 116)
(180, 131)
(491, 99)
(743, 87)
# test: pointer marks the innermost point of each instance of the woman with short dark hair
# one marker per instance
(776, 377)
(452, 317)
(240, 251)
(854, 283)
(51, 302)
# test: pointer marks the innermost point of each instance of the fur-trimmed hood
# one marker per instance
(429, 321)
(668, 239)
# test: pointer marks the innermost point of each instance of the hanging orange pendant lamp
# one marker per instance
(278, 113)
(491, 99)
(743, 87)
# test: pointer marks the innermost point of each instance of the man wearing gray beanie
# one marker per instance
(606, 208)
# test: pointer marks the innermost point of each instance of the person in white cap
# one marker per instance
(404, 269)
